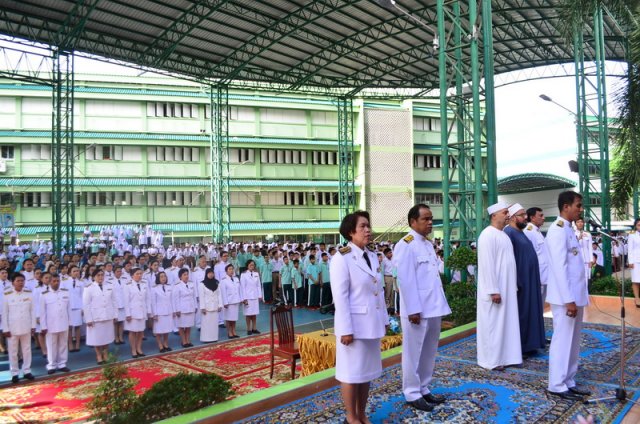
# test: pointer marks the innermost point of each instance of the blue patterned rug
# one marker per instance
(475, 395)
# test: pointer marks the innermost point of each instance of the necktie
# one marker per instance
(139, 289)
(100, 285)
(366, 258)
(163, 289)
(74, 283)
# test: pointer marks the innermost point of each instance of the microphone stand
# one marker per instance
(621, 392)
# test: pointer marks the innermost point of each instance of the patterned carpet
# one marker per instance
(64, 398)
(517, 395)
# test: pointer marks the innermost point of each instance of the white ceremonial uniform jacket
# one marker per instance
(231, 291)
(419, 278)
(18, 312)
(118, 291)
(586, 246)
(54, 310)
(136, 300)
(567, 282)
(75, 288)
(184, 297)
(99, 304)
(161, 300)
(209, 300)
(251, 286)
(534, 235)
(358, 294)
(634, 248)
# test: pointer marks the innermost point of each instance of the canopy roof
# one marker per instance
(335, 45)
(526, 183)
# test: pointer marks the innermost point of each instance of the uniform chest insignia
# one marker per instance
(529, 227)
(408, 238)
(344, 250)
(560, 223)
(574, 251)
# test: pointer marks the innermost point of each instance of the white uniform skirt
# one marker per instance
(231, 312)
(252, 308)
(209, 327)
(360, 362)
(135, 325)
(163, 325)
(101, 333)
(186, 320)
(121, 315)
(75, 317)
(635, 273)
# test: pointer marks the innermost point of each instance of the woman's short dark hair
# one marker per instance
(182, 272)
(227, 267)
(350, 222)
(636, 222)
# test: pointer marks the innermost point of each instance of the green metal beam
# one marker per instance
(465, 178)
(62, 157)
(219, 124)
(346, 194)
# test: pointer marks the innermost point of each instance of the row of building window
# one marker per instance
(431, 161)
(180, 198)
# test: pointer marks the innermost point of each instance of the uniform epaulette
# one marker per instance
(408, 238)
(46, 291)
(64, 289)
(371, 246)
(26, 290)
(560, 223)
(344, 250)
(8, 292)
(529, 227)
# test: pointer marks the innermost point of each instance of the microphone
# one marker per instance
(594, 224)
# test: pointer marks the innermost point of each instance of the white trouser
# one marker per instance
(419, 346)
(57, 350)
(564, 351)
(24, 342)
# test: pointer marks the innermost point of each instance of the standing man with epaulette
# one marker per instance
(568, 295)
(423, 304)
(18, 324)
(54, 324)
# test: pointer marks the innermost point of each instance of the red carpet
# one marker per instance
(244, 362)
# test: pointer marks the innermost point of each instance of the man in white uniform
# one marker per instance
(423, 304)
(18, 324)
(498, 327)
(535, 216)
(567, 294)
(54, 324)
(586, 247)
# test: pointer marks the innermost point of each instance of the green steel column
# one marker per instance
(219, 147)
(62, 158)
(444, 133)
(489, 104)
(580, 130)
(461, 133)
(477, 125)
(346, 196)
(603, 131)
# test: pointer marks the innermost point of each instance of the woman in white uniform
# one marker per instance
(634, 260)
(162, 311)
(231, 293)
(360, 319)
(118, 291)
(252, 295)
(210, 307)
(184, 306)
(100, 312)
(136, 311)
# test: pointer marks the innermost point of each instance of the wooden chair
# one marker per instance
(287, 347)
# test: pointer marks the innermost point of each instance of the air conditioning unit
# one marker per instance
(3, 166)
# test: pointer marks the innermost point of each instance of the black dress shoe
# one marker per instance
(51, 372)
(29, 376)
(567, 395)
(168, 349)
(579, 391)
(15, 379)
(432, 398)
(64, 369)
(421, 404)
(256, 332)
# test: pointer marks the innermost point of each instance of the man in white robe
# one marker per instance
(498, 328)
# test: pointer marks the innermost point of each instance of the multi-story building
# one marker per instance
(142, 155)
